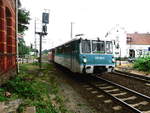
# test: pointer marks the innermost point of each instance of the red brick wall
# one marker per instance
(7, 36)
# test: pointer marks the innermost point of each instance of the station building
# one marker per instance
(129, 44)
(7, 39)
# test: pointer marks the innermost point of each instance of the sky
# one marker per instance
(93, 18)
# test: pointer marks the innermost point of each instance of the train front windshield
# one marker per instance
(98, 46)
(102, 47)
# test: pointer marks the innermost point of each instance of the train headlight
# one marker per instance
(84, 60)
(113, 60)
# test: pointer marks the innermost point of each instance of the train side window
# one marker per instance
(86, 46)
(109, 47)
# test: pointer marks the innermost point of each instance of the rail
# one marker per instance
(128, 105)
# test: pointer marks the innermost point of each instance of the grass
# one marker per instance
(36, 87)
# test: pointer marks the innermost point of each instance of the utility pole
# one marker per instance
(35, 38)
(71, 30)
(40, 60)
(45, 21)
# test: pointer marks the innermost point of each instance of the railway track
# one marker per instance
(133, 76)
(133, 100)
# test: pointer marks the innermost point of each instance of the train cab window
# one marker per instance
(86, 46)
(109, 47)
(98, 46)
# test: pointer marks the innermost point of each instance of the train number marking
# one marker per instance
(99, 58)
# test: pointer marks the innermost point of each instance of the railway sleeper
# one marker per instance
(100, 85)
(147, 84)
(140, 103)
(89, 88)
(119, 94)
(129, 98)
(146, 111)
(112, 90)
(85, 86)
(107, 87)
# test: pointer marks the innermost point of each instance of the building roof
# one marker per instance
(138, 38)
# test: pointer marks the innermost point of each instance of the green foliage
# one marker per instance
(45, 51)
(23, 49)
(2, 97)
(23, 88)
(45, 107)
(23, 20)
(142, 64)
(35, 90)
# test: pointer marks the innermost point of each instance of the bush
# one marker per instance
(142, 64)
(2, 96)
(22, 87)
(45, 107)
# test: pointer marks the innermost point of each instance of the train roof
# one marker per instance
(75, 39)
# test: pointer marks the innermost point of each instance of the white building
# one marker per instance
(129, 45)
(138, 44)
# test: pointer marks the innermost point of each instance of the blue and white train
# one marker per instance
(86, 56)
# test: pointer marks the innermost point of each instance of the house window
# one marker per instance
(148, 48)
(131, 53)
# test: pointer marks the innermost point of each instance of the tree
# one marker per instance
(23, 21)
(23, 49)
(45, 51)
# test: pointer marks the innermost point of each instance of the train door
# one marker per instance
(72, 56)
(74, 62)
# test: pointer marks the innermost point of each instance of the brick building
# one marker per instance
(7, 39)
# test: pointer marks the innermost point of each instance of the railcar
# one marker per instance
(51, 54)
(86, 56)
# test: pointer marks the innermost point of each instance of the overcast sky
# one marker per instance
(90, 17)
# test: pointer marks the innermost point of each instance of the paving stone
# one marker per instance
(30, 110)
(10, 106)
